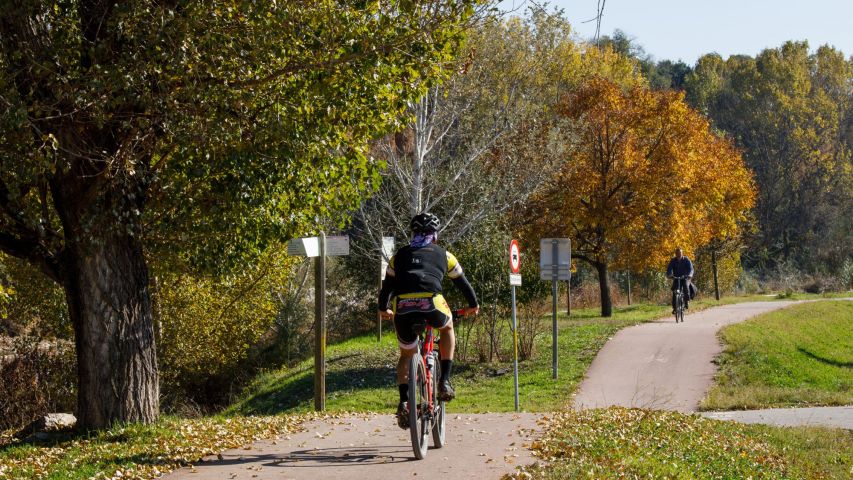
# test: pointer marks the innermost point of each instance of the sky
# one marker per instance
(687, 29)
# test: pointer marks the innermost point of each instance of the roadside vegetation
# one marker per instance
(135, 450)
(360, 371)
(799, 356)
(633, 443)
(161, 171)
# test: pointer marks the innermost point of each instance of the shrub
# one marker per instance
(36, 378)
(207, 327)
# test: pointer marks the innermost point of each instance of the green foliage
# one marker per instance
(794, 357)
(633, 443)
(221, 126)
(788, 109)
(30, 304)
(208, 326)
(728, 271)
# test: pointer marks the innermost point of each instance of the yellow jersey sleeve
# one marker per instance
(454, 269)
(389, 272)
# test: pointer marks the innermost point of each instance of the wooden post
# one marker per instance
(320, 323)
(378, 316)
(629, 287)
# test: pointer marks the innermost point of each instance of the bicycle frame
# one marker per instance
(426, 413)
(426, 348)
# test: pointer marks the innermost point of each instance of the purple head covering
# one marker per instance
(423, 239)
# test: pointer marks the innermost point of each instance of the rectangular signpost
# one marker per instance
(555, 263)
(318, 248)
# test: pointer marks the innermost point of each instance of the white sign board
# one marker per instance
(515, 279)
(387, 252)
(337, 246)
(304, 247)
(547, 260)
(310, 246)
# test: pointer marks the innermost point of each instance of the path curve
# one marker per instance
(663, 365)
(373, 447)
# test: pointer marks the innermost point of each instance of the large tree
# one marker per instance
(643, 175)
(202, 129)
(789, 109)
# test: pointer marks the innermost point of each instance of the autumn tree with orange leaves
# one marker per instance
(643, 174)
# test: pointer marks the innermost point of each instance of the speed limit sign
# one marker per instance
(514, 257)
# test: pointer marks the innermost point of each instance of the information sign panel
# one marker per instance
(304, 247)
(337, 246)
(387, 252)
(547, 258)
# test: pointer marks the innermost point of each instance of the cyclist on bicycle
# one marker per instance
(680, 266)
(413, 279)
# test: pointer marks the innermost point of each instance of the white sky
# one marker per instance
(687, 29)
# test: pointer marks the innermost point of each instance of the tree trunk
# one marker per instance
(604, 286)
(106, 287)
(714, 268)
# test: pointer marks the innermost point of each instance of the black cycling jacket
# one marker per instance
(421, 270)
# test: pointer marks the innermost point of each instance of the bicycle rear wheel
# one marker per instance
(438, 437)
(418, 407)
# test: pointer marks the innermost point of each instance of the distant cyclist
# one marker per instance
(413, 279)
(680, 266)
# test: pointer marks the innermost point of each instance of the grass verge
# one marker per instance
(632, 443)
(136, 451)
(799, 356)
(360, 371)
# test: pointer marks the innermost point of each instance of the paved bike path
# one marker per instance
(836, 417)
(663, 365)
(373, 447)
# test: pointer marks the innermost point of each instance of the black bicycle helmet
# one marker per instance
(425, 223)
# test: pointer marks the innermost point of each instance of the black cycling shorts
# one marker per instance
(413, 310)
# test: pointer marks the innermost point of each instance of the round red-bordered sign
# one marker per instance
(514, 257)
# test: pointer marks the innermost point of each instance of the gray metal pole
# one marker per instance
(320, 322)
(554, 273)
(515, 347)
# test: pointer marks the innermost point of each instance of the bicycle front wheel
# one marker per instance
(438, 438)
(418, 407)
(679, 309)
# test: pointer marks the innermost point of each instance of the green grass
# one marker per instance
(632, 443)
(135, 451)
(799, 356)
(360, 371)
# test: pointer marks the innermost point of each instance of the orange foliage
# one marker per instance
(643, 174)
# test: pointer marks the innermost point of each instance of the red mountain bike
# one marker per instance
(426, 412)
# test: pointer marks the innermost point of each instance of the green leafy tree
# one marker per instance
(205, 130)
(788, 109)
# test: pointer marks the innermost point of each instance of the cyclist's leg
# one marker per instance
(442, 319)
(407, 340)
(686, 290)
(674, 289)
